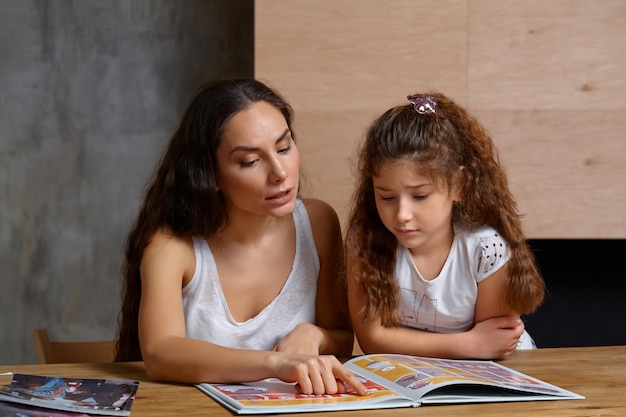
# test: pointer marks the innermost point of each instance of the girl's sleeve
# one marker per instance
(494, 252)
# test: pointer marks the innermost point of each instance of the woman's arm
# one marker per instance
(494, 337)
(332, 331)
(167, 263)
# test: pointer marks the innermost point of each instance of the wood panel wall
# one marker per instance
(547, 78)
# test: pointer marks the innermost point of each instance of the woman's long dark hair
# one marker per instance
(182, 197)
(438, 144)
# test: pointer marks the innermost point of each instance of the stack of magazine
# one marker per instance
(28, 395)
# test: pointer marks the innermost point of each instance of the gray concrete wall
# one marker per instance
(90, 91)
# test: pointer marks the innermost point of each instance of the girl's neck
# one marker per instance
(430, 257)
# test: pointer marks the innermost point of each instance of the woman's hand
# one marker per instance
(305, 338)
(316, 374)
(300, 362)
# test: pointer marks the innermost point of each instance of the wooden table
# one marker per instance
(598, 373)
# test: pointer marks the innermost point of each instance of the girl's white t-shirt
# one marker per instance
(446, 304)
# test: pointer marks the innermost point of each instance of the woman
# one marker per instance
(228, 273)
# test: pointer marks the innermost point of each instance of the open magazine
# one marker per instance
(79, 395)
(393, 381)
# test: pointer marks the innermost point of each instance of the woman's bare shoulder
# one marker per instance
(324, 223)
(167, 249)
(165, 238)
(320, 211)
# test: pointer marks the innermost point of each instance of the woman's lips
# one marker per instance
(281, 198)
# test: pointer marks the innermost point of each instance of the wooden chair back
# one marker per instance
(71, 352)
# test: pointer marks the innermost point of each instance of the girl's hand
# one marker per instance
(305, 338)
(316, 374)
(496, 337)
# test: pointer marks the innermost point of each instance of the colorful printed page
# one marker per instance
(272, 396)
(431, 380)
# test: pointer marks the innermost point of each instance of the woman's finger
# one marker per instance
(318, 382)
(343, 374)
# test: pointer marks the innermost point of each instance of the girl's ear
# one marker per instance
(458, 186)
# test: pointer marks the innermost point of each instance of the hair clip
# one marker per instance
(423, 104)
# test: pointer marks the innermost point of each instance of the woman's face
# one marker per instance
(258, 163)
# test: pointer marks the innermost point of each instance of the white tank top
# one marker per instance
(206, 313)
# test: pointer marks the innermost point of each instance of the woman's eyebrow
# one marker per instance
(255, 148)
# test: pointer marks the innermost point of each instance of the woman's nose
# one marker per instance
(278, 173)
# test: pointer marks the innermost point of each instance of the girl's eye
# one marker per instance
(285, 150)
(420, 196)
(387, 198)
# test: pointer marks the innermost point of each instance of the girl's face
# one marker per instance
(258, 162)
(411, 207)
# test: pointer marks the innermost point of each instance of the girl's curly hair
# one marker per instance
(437, 143)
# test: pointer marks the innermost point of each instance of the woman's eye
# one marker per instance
(386, 198)
(245, 164)
(285, 150)
(420, 196)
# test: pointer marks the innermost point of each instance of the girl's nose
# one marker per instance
(404, 212)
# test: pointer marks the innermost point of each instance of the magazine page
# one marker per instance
(432, 380)
(21, 410)
(89, 396)
(272, 396)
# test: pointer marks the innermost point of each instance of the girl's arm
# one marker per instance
(491, 303)
(168, 355)
(332, 331)
(494, 337)
(491, 298)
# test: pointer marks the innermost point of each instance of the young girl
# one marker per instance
(228, 275)
(438, 264)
